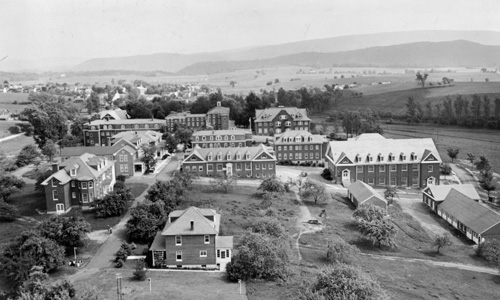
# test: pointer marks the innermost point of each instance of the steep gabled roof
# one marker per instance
(182, 225)
(268, 114)
(472, 214)
(362, 191)
(374, 144)
(283, 138)
(96, 150)
(117, 114)
(132, 136)
(439, 192)
(253, 151)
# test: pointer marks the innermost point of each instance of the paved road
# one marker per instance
(106, 253)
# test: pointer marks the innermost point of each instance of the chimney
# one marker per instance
(192, 225)
(55, 167)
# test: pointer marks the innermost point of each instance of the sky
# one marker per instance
(96, 28)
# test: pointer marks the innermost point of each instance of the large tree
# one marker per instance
(49, 122)
(49, 149)
(486, 181)
(421, 78)
(314, 190)
(453, 153)
(113, 204)
(27, 155)
(9, 185)
(146, 219)
(66, 231)
(148, 156)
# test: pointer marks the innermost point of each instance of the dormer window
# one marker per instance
(247, 156)
(232, 138)
(310, 139)
(238, 156)
(380, 157)
(229, 156)
(358, 158)
(402, 157)
(197, 138)
(54, 183)
(72, 172)
(210, 156)
(413, 156)
(369, 157)
(219, 156)
(391, 157)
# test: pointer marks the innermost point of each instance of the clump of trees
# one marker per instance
(224, 183)
(114, 203)
(341, 252)
(315, 191)
(375, 225)
(486, 180)
(490, 250)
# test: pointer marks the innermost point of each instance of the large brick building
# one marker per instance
(244, 162)
(191, 239)
(378, 161)
(218, 118)
(99, 132)
(277, 120)
(191, 121)
(221, 138)
(300, 146)
(78, 181)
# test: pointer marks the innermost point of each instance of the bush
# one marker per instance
(327, 174)
(119, 263)
(140, 272)
(8, 213)
(490, 250)
(14, 129)
(341, 252)
(27, 155)
(121, 255)
(121, 178)
(445, 169)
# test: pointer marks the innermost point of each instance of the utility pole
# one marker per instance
(119, 285)
(149, 279)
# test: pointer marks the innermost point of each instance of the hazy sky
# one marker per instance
(98, 28)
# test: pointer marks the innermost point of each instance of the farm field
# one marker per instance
(477, 141)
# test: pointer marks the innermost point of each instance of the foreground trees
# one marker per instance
(66, 231)
(375, 225)
(146, 219)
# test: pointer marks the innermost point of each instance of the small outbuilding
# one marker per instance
(361, 193)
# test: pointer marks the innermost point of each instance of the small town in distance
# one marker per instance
(349, 167)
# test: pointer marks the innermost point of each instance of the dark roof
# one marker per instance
(472, 214)
(218, 110)
(362, 191)
(182, 225)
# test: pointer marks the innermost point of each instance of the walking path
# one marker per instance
(10, 137)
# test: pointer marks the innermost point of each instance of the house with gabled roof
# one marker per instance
(361, 193)
(476, 221)
(373, 159)
(276, 120)
(5, 115)
(300, 146)
(244, 162)
(434, 195)
(190, 239)
(78, 181)
(116, 114)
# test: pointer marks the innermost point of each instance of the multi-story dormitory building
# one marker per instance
(216, 118)
(300, 146)
(376, 160)
(276, 120)
(221, 138)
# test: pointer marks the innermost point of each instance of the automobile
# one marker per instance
(314, 222)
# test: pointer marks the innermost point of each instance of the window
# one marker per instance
(317, 155)
(278, 124)
(306, 156)
(91, 196)
(218, 252)
(404, 181)
(270, 166)
(203, 253)
(178, 240)
(370, 168)
(371, 180)
(415, 167)
(219, 167)
(404, 168)
(200, 168)
(285, 155)
(188, 168)
(219, 156)
(91, 184)
(359, 169)
(203, 138)
(54, 195)
(206, 238)
(247, 166)
(232, 138)
(306, 147)
(73, 172)
(257, 166)
(125, 157)
(430, 168)
(263, 166)
(381, 168)
(54, 183)
(85, 198)
(414, 180)
(84, 185)
(210, 168)
(229, 156)
(285, 148)
(210, 156)
(283, 117)
(381, 181)
(393, 181)
(279, 148)
(238, 167)
(393, 168)
(178, 255)
(247, 156)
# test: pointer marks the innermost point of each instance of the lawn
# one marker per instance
(13, 146)
(173, 285)
(4, 127)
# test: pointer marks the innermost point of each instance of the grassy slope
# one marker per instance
(13, 146)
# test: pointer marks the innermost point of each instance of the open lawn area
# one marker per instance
(242, 206)
(172, 285)
(5, 125)
(13, 147)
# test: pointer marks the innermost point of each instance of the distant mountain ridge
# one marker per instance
(421, 54)
(175, 62)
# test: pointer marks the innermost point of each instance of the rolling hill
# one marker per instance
(459, 53)
(174, 62)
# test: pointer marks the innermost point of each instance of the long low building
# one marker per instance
(222, 138)
(476, 221)
(244, 162)
(361, 193)
(435, 194)
(378, 161)
(99, 132)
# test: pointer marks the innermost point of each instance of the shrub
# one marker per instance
(490, 250)
(327, 174)
(14, 129)
(341, 252)
(27, 155)
(119, 263)
(140, 272)
(270, 227)
(445, 169)
(121, 178)
(8, 213)
(121, 255)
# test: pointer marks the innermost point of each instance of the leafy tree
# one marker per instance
(314, 190)
(389, 194)
(226, 183)
(8, 213)
(10, 185)
(472, 158)
(49, 149)
(445, 169)
(414, 112)
(40, 177)
(27, 155)
(183, 135)
(170, 142)
(272, 185)
(76, 128)
(148, 156)
(380, 232)
(140, 272)
(66, 231)
(146, 219)
(38, 287)
(421, 78)
(171, 193)
(299, 182)
(270, 227)
(29, 250)
(113, 204)
(453, 153)
(259, 257)
(490, 250)
(341, 252)
(93, 103)
(368, 212)
(483, 164)
(48, 121)
(343, 281)
(486, 181)
(442, 241)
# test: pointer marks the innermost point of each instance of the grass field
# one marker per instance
(12, 147)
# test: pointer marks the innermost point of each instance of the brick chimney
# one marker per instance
(55, 167)
(192, 225)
